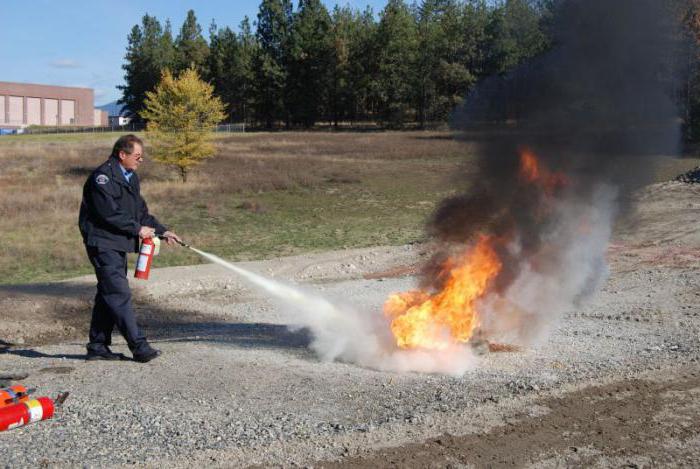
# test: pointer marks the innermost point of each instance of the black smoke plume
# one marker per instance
(596, 108)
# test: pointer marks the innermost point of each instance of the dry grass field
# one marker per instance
(263, 195)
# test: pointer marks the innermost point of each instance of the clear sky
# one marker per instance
(82, 43)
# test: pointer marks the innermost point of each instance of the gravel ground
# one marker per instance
(236, 387)
(691, 177)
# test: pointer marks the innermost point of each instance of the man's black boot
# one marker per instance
(147, 356)
(103, 353)
(143, 352)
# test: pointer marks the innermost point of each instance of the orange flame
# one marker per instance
(533, 173)
(437, 320)
(529, 169)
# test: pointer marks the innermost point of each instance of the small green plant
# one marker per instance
(181, 114)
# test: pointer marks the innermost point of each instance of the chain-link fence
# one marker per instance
(130, 127)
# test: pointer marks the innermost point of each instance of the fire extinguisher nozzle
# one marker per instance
(61, 398)
(181, 243)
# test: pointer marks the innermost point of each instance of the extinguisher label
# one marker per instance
(16, 424)
(146, 249)
(36, 411)
(142, 263)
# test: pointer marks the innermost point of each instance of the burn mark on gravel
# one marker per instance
(613, 424)
(58, 370)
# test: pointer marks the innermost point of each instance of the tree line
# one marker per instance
(411, 63)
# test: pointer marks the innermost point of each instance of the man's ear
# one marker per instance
(122, 155)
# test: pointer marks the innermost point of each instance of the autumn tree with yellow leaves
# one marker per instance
(181, 113)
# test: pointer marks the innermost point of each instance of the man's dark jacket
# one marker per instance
(112, 211)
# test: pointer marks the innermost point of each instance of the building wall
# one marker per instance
(15, 110)
(28, 104)
(68, 113)
(33, 111)
(101, 118)
(50, 111)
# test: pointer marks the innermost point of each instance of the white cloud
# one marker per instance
(65, 63)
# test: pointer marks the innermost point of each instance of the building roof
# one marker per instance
(113, 109)
(43, 84)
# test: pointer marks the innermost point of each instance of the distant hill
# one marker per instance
(113, 109)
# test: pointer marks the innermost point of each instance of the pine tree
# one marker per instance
(452, 62)
(398, 46)
(230, 66)
(223, 49)
(429, 57)
(474, 23)
(416, 62)
(516, 35)
(245, 76)
(270, 61)
(339, 92)
(310, 61)
(149, 52)
(455, 73)
(181, 114)
(353, 68)
(192, 48)
(364, 68)
(166, 49)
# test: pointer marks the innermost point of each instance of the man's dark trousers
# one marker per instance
(112, 302)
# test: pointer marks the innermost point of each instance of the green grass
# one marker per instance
(382, 209)
(316, 192)
(379, 211)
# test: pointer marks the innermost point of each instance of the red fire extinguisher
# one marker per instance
(13, 394)
(24, 413)
(149, 248)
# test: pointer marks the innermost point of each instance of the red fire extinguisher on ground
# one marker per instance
(149, 248)
(24, 413)
(14, 394)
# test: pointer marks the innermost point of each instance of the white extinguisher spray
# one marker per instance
(149, 248)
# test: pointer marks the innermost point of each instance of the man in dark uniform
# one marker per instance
(113, 219)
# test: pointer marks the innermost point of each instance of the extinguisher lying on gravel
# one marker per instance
(14, 394)
(27, 410)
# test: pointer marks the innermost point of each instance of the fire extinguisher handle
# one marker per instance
(181, 243)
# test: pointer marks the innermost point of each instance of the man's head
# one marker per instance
(128, 150)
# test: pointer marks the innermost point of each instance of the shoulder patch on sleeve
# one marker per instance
(101, 179)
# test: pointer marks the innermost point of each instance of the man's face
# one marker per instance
(131, 161)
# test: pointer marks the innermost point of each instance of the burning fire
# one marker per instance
(532, 172)
(436, 320)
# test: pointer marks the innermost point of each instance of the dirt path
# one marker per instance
(642, 422)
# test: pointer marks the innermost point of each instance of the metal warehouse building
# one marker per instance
(24, 104)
